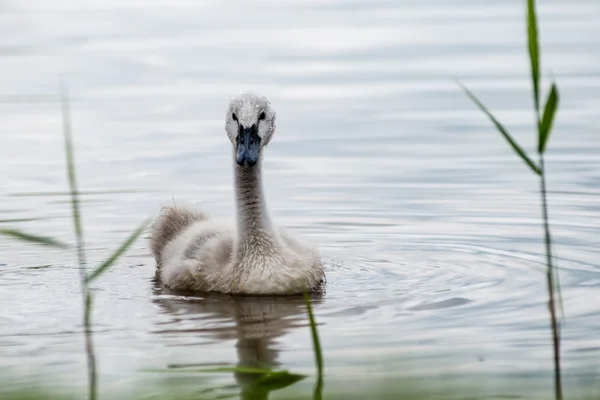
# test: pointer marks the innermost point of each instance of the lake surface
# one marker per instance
(429, 225)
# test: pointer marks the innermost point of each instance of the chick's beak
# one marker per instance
(247, 145)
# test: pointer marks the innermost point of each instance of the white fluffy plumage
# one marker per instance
(194, 252)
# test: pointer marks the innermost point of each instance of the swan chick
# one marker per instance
(196, 253)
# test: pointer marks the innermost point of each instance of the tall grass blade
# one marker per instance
(318, 393)
(544, 126)
(122, 249)
(548, 118)
(28, 237)
(503, 131)
(71, 175)
(77, 226)
(534, 58)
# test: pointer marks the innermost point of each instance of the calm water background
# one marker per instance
(429, 225)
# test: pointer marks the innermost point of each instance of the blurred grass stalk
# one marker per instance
(318, 393)
(81, 258)
(85, 278)
(544, 127)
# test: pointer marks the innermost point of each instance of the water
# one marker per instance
(429, 225)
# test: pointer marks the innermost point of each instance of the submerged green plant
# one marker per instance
(265, 380)
(85, 278)
(544, 127)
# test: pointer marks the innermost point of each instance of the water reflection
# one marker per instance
(258, 321)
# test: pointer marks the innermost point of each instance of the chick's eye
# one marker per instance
(262, 116)
(234, 116)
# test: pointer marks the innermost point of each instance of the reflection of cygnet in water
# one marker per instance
(259, 321)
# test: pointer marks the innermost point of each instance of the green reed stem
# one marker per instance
(318, 392)
(550, 271)
(544, 127)
(77, 226)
